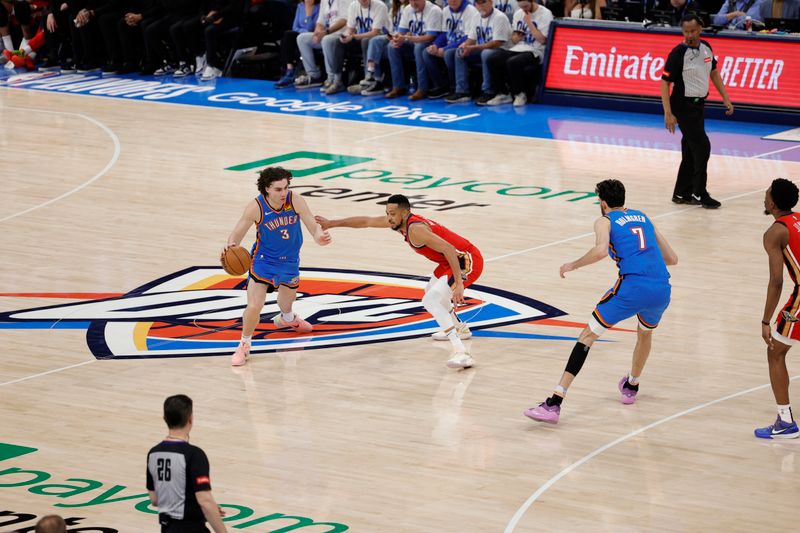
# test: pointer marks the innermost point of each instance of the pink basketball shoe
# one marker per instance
(628, 395)
(239, 357)
(297, 325)
(544, 413)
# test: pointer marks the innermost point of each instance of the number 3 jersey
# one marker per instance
(176, 470)
(634, 246)
(278, 236)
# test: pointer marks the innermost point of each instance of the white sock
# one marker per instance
(23, 44)
(435, 293)
(8, 43)
(633, 380)
(561, 391)
(785, 412)
(246, 339)
(287, 317)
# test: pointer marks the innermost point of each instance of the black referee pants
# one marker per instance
(695, 148)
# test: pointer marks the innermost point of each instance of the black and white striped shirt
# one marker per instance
(176, 470)
(689, 70)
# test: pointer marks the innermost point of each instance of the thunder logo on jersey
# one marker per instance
(278, 237)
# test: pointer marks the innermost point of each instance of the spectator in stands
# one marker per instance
(373, 83)
(137, 15)
(157, 32)
(330, 24)
(365, 20)
(57, 40)
(584, 9)
(681, 7)
(779, 9)
(189, 35)
(515, 71)
(420, 23)
(734, 13)
(87, 42)
(507, 7)
(486, 34)
(441, 54)
(22, 12)
(108, 14)
(305, 18)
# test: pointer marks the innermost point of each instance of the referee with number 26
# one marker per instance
(178, 476)
(689, 67)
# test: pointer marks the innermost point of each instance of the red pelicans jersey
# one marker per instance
(469, 257)
(788, 317)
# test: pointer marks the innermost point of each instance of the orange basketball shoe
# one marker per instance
(297, 325)
(239, 357)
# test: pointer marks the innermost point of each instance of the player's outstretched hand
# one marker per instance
(566, 267)
(322, 237)
(323, 222)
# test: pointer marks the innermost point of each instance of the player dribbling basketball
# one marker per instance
(276, 213)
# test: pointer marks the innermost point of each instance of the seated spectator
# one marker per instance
(487, 33)
(157, 33)
(516, 71)
(137, 16)
(108, 14)
(87, 41)
(26, 55)
(330, 24)
(779, 9)
(584, 9)
(365, 20)
(220, 16)
(420, 24)
(373, 82)
(679, 8)
(458, 16)
(506, 7)
(305, 18)
(733, 13)
(58, 46)
(22, 12)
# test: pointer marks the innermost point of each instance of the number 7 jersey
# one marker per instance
(278, 233)
(633, 245)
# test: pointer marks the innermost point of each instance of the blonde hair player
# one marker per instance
(276, 213)
(460, 263)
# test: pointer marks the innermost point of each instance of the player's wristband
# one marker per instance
(765, 323)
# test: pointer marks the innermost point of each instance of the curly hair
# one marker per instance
(269, 175)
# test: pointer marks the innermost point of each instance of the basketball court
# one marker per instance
(117, 200)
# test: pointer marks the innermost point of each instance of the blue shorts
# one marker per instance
(274, 275)
(632, 295)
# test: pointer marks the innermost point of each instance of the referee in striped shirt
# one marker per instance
(688, 67)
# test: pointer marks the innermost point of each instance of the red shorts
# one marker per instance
(788, 323)
(471, 263)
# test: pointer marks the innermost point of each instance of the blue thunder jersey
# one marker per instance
(278, 236)
(633, 245)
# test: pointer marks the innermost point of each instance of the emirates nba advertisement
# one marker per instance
(755, 71)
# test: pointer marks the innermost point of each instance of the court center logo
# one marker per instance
(197, 312)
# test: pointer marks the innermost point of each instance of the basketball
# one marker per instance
(235, 260)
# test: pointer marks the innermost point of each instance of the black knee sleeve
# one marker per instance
(577, 358)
